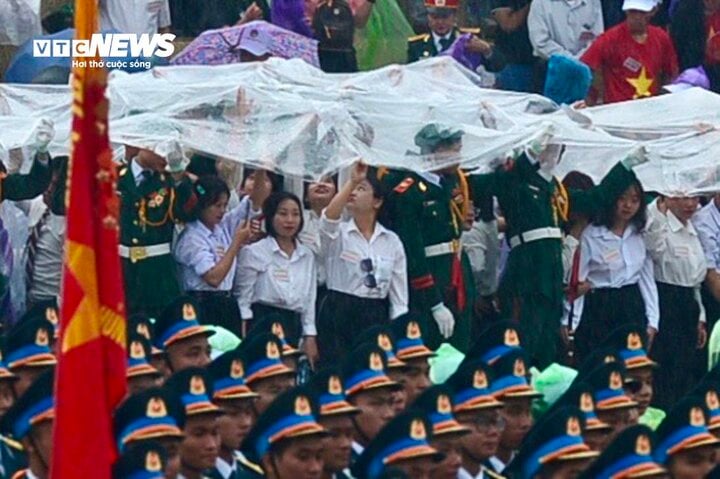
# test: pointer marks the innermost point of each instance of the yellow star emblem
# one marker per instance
(641, 84)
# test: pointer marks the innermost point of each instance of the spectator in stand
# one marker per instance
(564, 27)
(616, 263)
(513, 40)
(135, 16)
(693, 26)
(633, 59)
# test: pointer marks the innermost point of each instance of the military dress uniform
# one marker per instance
(16, 187)
(149, 209)
(531, 289)
(423, 46)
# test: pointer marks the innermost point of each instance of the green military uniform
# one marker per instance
(531, 289)
(423, 46)
(148, 214)
(427, 220)
(18, 187)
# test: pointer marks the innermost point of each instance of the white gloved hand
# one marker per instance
(541, 141)
(173, 152)
(636, 157)
(43, 134)
(444, 319)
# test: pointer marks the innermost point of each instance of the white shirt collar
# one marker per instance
(136, 169)
(298, 253)
(676, 225)
(30, 474)
(357, 448)
(224, 468)
(379, 229)
(431, 177)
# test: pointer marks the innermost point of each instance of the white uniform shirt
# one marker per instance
(310, 237)
(224, 469)
(707, 224)
(269, 276)
(611, 261)
(344, 247)
(135, 16)
(198, 249)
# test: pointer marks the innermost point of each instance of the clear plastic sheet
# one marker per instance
(289, 116)
(19, 21)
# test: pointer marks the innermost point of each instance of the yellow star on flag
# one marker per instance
(641, 84)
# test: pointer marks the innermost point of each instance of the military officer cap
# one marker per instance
(382, 337)
(146, 460)
(292, 415)
(511, 377)
(28, 344)
(472, 388)
(151, 414)
(227, 373)
(597, 358)
(607, 383)
(47, 309)
(277, 325)
(330, 391)
(5, 373)
(709, 390)
(442, 7)
(36, 405)
(405, 437)
(364, 370)
(557, 437)
(497, 340)
(262, 358)
(138, 352)
(142, 325)
(629, 456)
(191, 385)
(433, 135)
(179, 320)
(437, 404)
(631, 344)
(580, 396)
(684, 428)
(408, 337)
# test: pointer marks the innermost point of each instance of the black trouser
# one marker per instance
(293, 329)
(218, 308)
(342, 319)
(674, 347)
(605, 310)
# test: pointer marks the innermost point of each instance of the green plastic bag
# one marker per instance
(222, 341)
(714, 347)
(383, 41)
(652, 418)
(445, 363)
(552, 383)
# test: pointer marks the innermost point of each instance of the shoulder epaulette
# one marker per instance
(123, 171)
(422, 36)
(12, 443)
(250, 465)
(492, 474)
(404, 185)
(20, 474)
(474, 31)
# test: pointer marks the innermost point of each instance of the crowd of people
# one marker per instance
(383, 323)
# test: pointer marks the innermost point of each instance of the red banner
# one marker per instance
(90, 380)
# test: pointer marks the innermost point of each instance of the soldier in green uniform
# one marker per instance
(152, 415)
(288, 430)
(147, 460)
(17, 186)
(200, 445)
(236, 402)
(336, 416)
(30, 422)
(403, 444)
(428, 210)
(535, 204)
(630, 455)
(151, 202)
(442, 20)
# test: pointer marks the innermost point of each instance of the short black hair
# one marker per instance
(606, 217)
(209, 189)
(272, 204)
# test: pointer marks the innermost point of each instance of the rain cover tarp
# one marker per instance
(293, 118)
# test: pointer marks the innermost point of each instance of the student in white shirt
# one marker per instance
(278, 273)
(318, 195)
(207, 249)
(680, 270)
(707, 224)
(365, 264)
(615, 261)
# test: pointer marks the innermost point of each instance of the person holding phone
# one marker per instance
(207, 249)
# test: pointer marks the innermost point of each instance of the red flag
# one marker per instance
(90, 378)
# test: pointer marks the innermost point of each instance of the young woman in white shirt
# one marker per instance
(365, 265)
(616, 264)
(278, 274)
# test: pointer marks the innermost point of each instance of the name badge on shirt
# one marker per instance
(350, 256)
(281, 274)
(612, 256)
(631, 64)
(682, 251)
